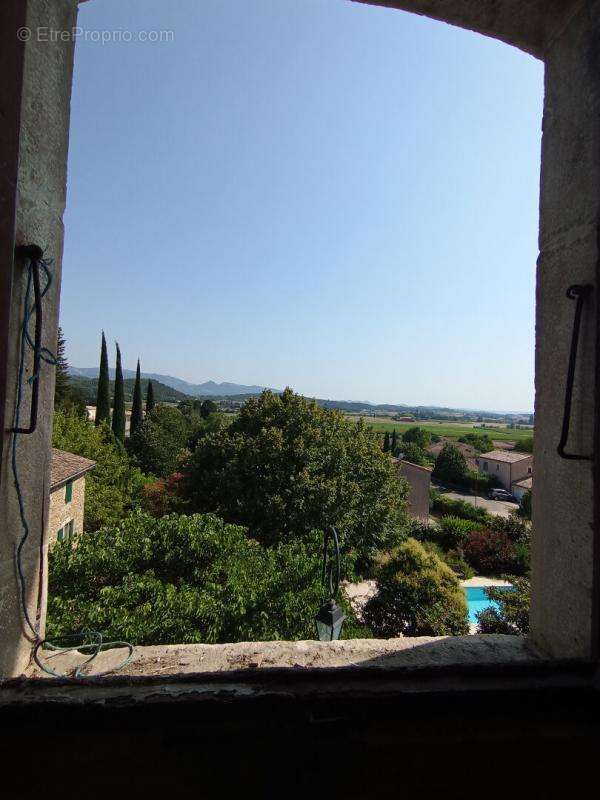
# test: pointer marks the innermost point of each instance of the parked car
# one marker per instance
(501, 494)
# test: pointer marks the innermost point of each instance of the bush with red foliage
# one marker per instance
(160, 497)
(490, 552)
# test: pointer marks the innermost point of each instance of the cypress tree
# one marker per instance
(137, 413)
(386, 442)
(118, 418)
(62, 385)
(149, 398)
(103, 395)
(394, 442)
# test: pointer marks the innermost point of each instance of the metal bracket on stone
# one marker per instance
(579, 293)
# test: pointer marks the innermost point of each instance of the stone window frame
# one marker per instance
(566, 574)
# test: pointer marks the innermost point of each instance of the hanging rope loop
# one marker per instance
(36, 265)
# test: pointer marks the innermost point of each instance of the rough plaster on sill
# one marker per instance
(372, 654)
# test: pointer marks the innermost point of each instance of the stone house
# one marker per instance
(67, 494)
(507, 466)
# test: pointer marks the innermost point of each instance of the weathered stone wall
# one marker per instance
(39, 120)
(61, 512)
(564, 550)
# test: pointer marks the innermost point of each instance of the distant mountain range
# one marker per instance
(236, 392)
(207, 389)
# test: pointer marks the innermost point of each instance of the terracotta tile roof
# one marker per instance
(508, 456)
(525, 483)
(67, 466)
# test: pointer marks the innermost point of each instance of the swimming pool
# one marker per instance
(478, 600)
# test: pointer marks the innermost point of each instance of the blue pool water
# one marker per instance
(477, 600)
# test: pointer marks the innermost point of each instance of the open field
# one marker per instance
(452, 430)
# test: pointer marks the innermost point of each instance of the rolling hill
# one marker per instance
(162, 392)
(207, 389)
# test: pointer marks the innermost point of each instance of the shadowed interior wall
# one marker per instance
(33, 166)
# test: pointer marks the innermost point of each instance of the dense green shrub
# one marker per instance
(420, 530)
(184, 579)
(479, 483)
(442, 505)
(513, 615)
(517, 529)
(453, 531)
(286, 466)
(418, 595)
(453, 558)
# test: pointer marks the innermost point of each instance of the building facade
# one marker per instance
(506, 466)
(419, 482)
(67, 494)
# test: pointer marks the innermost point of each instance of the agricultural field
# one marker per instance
(451, 430)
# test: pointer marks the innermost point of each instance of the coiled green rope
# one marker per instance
(98, 645)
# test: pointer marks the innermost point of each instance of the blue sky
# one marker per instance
(314, 193)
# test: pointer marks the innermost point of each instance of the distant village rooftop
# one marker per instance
(67, 467)
(507, 456)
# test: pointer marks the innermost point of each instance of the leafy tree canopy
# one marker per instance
(450, 465)
(418, 595)
(181, 579)
(418, 436)
(159, 443)
(413, 453)
(109, 487)
(481, 442)
(286, 466)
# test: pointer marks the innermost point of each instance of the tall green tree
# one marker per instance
(118, 418)
(137, 412)
(157, 445)
(394, 444)
(66, 397)
(149, 397)
(61, 386)
(103, 395)
(450, 465)
(386, 442)
(419, 436)
(285, 467)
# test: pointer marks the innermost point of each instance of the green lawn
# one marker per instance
(453, 430)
